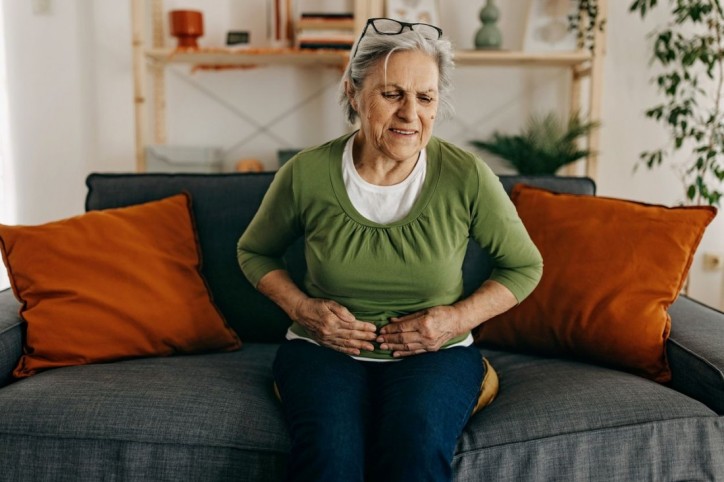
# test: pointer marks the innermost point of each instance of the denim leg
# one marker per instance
(421, 405)
(325, 399)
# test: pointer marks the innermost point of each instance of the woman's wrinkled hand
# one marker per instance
(332, 325)
(420, 332)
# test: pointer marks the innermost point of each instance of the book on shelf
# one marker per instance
(324, 39)
(324, 46)
(324, 23)
(328, 15)
(315, 30)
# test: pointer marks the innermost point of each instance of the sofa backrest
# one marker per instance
(224, 204)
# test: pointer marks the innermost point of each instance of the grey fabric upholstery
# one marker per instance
(696, 352)
(559, 419)
(215, 417)
(10, 335)
(204, 417)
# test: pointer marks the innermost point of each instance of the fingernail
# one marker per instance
(380, 339)
(383, 347)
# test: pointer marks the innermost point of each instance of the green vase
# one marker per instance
(488, 36)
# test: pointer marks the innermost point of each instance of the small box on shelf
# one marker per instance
(237, 38)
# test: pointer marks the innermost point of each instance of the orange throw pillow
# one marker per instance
(611, 270)
(113, 284)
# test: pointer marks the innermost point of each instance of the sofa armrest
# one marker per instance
(11, 338)
(696, 352)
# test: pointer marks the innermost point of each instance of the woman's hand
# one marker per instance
(430, 329)
(328, 322)
(422, 331)
(333, 326)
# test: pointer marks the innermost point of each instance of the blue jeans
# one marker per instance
(353, 421)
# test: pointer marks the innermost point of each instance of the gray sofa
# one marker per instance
(215, 417)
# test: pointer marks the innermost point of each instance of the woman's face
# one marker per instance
(397, 111)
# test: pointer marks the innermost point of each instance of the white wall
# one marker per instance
(70, 94)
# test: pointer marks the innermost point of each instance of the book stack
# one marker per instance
(325, 31)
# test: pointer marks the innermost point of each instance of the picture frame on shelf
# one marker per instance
(547, 26)
(413, 11)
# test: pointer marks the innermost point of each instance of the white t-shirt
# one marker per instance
(382, 204)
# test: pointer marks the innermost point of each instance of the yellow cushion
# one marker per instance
(112, 284)
(489, 388)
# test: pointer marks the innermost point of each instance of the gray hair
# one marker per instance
(373, 47)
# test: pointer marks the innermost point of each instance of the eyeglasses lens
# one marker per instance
(427, 31)
(387, 26)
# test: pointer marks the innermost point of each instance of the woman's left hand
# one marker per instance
(422, 331)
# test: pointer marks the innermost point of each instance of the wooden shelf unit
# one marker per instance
(581, 64)
(289, 56)
(249, 57)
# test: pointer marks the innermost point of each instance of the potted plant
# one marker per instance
(689, 51)
(545, 144)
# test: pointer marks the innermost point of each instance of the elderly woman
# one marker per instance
(378, 375)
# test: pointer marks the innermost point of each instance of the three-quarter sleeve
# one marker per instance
(274, 227)
(497, 228)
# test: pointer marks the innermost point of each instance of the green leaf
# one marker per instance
(691, 192)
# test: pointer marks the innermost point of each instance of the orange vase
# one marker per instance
(186, 26)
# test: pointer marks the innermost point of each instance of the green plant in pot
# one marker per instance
(546, 143)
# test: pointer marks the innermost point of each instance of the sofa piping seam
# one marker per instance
(11, 327)
(127, 441)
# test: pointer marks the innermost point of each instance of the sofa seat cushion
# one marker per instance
(215, 417)
(222, 400)
(194, 417)
(562, 419)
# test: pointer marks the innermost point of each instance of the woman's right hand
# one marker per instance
(329, 323)
(332, 325)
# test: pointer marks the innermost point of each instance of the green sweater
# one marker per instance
(380, 271)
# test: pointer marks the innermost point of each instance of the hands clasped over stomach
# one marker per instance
(334, 326)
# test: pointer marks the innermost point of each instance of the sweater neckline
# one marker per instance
(428, 187)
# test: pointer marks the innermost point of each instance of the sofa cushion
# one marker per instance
(558, 419)
(611, 270)
(112, 284)
(215, 417)
(196, 417)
